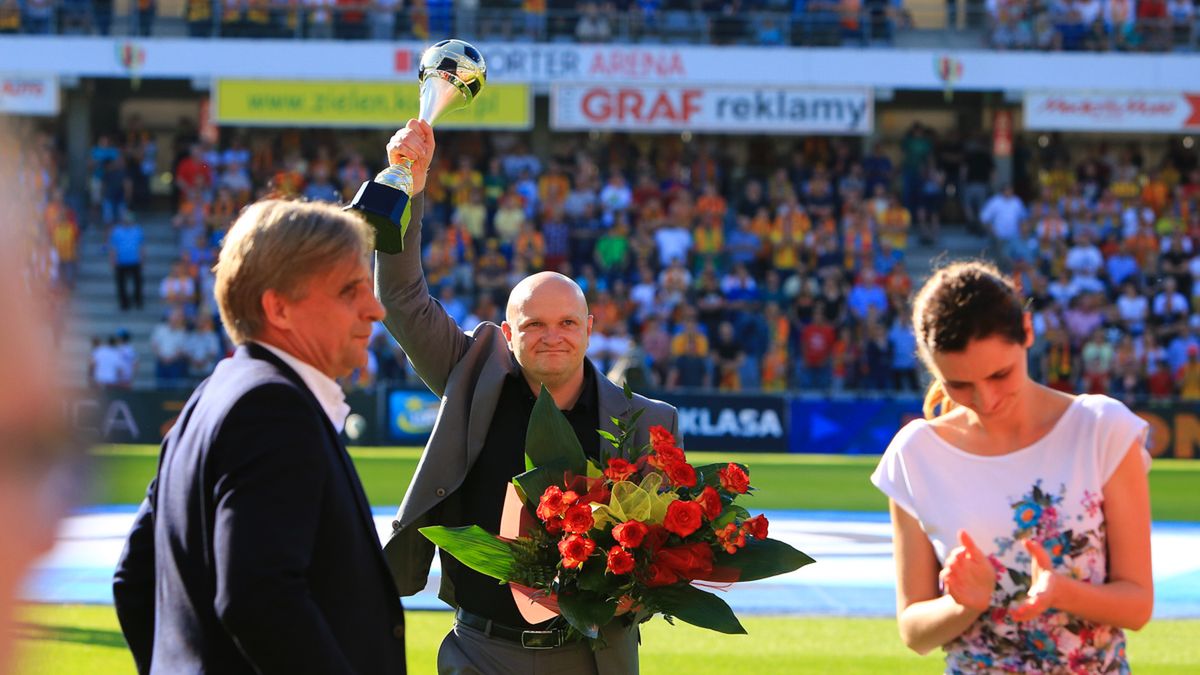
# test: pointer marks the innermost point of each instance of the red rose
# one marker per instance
(689, 561)
(619, 469)
(681, 474)
(731, 538)
(710, 500)
(575, 550)
(554, 526)
(659, 575)
(570, 497)
(578, 519)
(551, 505)
(656, 536)
(630, 533)
(756, 527)
(667, 455)
(683, 518)
(734, 479)
(620, 561)
(660, 438)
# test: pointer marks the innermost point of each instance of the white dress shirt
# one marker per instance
(328, 392)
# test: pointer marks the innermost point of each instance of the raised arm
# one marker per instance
(432, 340)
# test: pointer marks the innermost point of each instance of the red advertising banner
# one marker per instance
(1081, 111)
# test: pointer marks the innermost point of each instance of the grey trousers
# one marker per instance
(467, 651)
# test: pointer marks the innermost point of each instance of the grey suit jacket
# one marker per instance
(467, 371)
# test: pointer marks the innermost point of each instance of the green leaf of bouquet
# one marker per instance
(730, 514)
(549, 438)
(607, 436)
(699, 608)
(763, 558)
(535, 481)
(627, 390)
(592, 577)
(474, 547)
(593, 470)
(637, 415)
(586, 612)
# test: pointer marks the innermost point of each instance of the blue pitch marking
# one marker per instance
(853, 575)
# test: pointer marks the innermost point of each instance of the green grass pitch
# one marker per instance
(75, 639)
(86, 639)
(814, 482)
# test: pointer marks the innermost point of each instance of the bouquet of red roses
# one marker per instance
(632, 531)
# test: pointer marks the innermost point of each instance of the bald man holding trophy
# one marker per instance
(488, 379)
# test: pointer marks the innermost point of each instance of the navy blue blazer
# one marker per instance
(254, 550)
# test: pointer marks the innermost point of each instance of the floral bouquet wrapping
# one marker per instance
(636, 533)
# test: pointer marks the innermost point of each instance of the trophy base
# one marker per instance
(387, 210)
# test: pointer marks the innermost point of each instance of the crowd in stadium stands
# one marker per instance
(1079, 25)
(1153, 25)
(734, 266)
(1108, 252)
(688, 21)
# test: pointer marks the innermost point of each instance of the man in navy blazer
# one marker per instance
(254, 550)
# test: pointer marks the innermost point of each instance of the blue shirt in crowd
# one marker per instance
(126, 243)
(904, 346)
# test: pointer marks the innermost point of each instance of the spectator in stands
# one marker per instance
(320, 188)
(169, 342)
(729, 356)
(592, 26)
(37, 17)
(867, 299)
(816, 349)
(903, 347)
(875, 369)
(199, 17)
(690, 367)
(126, 251)
(116, 190)
(63, 228)
(146, 9)
(178, 290)
(1187, 377)
(203, 346)
(1004, 214)
(106, 363)
(128, 358)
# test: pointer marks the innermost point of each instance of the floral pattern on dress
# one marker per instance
(1072, 532)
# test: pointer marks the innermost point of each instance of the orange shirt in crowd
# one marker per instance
(894, 226)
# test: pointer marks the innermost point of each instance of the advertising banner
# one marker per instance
(724, 109)
(849, 427)
(29, 95)
(731, 422)
(359, 104)
(411, 414)
(1168, 112)
(709, 422)
(543, 64)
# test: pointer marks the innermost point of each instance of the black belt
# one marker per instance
(529, 639)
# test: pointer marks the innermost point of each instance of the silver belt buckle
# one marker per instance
(531, 639)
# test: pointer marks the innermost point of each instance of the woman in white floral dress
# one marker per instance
(1021, 514)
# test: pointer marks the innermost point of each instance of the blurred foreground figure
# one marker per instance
(32, 442)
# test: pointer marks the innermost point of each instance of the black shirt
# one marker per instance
(481, 495)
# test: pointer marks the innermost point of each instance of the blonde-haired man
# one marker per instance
(254, 551)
